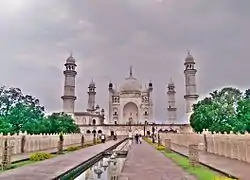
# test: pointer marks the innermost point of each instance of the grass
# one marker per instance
(201, 172)
(21, 163)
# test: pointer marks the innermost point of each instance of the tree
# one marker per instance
(61, 122)
(247, 94)
(217, 112)
(17, 110)
(5, 127)
(243, 115)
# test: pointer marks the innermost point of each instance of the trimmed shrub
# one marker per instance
(40, 156)
(160, 148)
(148, 140)
(73, 148)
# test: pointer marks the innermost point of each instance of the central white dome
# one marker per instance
(131, 84)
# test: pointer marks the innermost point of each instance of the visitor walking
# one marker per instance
(103, 138)
(136, 138)
(115, 137)
(140, 138)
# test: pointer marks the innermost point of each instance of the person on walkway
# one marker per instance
(136, 138)
(115, 137)
(103, 138)
(140, 138)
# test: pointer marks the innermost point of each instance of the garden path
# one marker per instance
(144, 162)
(54, 167)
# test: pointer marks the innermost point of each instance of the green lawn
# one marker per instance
(201, 172)
(21, 163)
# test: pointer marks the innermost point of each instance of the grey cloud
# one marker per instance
(107, 36)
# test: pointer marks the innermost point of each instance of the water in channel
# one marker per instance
(108, 168)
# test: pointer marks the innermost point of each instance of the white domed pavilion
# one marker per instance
(131, 103)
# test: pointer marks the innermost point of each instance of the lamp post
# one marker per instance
(153, 131)
(159, 140)
(145, 123)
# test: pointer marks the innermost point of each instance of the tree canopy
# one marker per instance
(19, 112)
(223, 110)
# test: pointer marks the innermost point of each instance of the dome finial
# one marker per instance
(171, 80)
(189, 53)
(131, 71)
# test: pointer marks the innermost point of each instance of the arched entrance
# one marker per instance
(130, 113)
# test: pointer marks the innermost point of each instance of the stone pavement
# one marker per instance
(54, 167)
(232, 167)
(144, 162)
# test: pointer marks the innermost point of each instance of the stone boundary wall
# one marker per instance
(23, 142)
(235, 146)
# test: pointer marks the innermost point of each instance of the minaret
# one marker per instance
(150, 98)
(171, 103)
(91, 93)
(69, 85)
(190, 83)
(111, 92)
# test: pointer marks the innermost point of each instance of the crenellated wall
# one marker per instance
(235, 146)
(41, 142)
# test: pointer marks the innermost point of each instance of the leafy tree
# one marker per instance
(61, 122)
(218, 111)
(247, 94)
(19, 112)
(5, 127)
(17, 109)
(243, 115)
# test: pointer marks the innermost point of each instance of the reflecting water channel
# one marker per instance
(108, 168)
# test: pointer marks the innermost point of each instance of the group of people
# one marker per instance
(138, 138)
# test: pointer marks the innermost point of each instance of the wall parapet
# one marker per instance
(40, 142)
(235, 146)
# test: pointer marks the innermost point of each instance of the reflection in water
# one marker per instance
(106, 169)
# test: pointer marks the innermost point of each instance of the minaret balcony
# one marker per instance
(191, 71)
(172, 109)
(68, 97)
(191, 96)
(70, 72)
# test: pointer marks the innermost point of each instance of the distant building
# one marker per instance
(130, 105)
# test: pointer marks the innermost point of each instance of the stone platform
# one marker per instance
(52, 168)
(144, 162)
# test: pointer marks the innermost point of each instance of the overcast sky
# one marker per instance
(106, 36)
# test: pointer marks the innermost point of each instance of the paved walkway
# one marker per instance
(232, 167)
(144, 162)
(54, 167)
